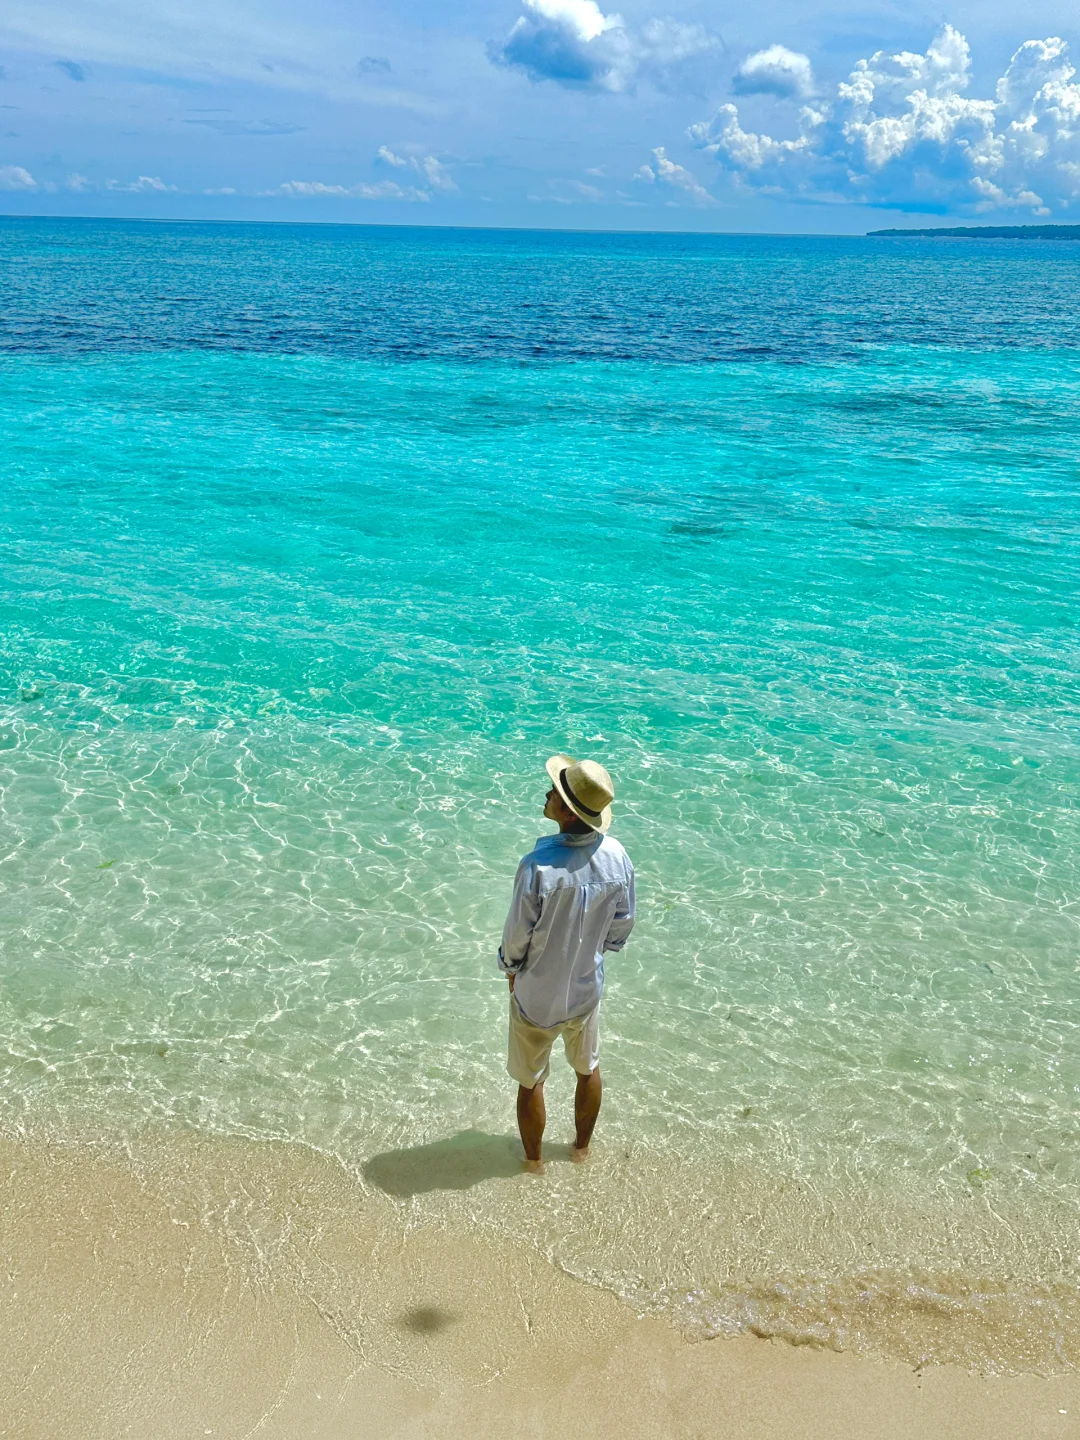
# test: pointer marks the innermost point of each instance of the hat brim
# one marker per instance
(555, 766)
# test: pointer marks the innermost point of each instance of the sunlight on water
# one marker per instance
(286, 641)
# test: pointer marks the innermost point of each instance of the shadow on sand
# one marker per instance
(463, 1160)
(427, 1320)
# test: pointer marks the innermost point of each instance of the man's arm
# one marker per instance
(622, 922)
(520, 922)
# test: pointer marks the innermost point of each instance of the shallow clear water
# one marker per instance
(291, 619)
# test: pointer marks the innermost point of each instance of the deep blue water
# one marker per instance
(374, 292)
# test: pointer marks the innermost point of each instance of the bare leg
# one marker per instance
(587, 1099)
(531, 1118)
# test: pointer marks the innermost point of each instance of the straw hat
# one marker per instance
(586, 787)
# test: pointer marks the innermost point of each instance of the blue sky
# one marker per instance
(569, 113)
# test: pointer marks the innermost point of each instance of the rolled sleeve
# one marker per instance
(622, 922)
(520, 922)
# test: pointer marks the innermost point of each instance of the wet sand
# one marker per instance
(234, 1289)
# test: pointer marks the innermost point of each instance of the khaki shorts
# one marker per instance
(530, 1045)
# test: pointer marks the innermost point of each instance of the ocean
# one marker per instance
(318, 540)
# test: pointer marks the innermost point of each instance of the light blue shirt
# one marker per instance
(573, 900)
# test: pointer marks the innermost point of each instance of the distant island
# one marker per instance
(996, 232)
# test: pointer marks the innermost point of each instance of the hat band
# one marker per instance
(573, 798)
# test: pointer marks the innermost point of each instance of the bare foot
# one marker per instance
(579, 1156)
(533, 1167)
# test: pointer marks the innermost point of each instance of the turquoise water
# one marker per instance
(290, 626)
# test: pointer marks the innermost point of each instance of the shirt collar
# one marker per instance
(581, 839)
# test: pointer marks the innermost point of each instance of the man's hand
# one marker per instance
(511, 979)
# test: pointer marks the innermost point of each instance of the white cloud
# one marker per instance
(667, 172)
(570, 41)
(564, 191)
(144, 185)
(587, 192)
(14, 177)
(575, 44)
(437, 174)
(775, 71)
(664, 45)
(432, 170)
(384, 190)
(901, 131)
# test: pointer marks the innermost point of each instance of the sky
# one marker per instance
(837, 117)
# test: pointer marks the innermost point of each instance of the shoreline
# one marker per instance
(233, 1287)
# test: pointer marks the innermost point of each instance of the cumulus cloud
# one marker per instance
(667, 172)
(901, 131)
(575, 44)
(775, 71)
(14, 177)
(571, 41)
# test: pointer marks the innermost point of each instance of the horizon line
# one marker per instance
(916, 231)
(412, 225)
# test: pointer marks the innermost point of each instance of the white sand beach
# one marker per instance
(236, 1289)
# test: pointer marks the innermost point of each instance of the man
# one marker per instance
(573, 900)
